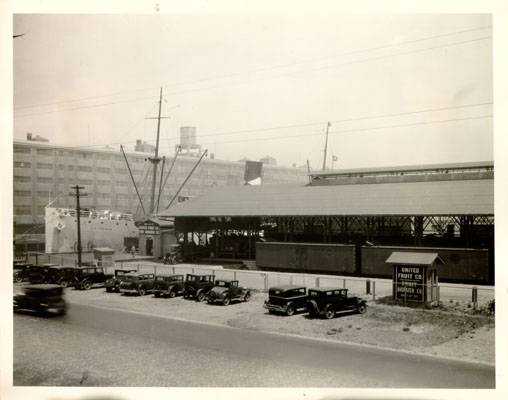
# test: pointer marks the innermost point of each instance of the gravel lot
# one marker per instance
(454, 332)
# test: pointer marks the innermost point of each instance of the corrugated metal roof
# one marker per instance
(467, 197)
(406, 168)
(413, 258)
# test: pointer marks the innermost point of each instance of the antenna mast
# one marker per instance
(326, 145)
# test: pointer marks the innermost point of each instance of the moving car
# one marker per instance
(112, 284)
(168, 286)
(198, 286)
(20, 272)
(226, 291)
(286, 299)
(41, 298)
(327, 302)
(138, 283)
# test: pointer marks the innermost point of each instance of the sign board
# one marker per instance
(409, 281)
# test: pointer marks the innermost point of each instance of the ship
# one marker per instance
(99, 228)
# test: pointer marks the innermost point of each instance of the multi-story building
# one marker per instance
(44, 173)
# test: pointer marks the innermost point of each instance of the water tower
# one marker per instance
(188, 141)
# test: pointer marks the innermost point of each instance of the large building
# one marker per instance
(44, 173)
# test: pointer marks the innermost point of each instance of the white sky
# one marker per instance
(231, 73)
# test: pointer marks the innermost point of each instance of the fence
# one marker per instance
(365, 287)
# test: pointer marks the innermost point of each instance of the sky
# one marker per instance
(398, 89)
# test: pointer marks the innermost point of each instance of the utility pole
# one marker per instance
(155, 160)
(326, 145)
(78, 211)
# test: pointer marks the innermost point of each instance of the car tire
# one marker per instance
(172, 293)
(329, 312)
(247, 296)
(18, 278)
(157, 294)
(87, 285)
(109, 289)
(63, 283)
(201, 296)
(226, 301)
(362, 308)
(290, 310)
(141, 291)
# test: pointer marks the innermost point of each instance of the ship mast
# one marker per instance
(156, 159)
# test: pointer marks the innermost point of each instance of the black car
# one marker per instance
(226, 291)
(20, 272)
(41, 273)
(88, 277)
(112, 284)
(41, 298)
(198, 286)
(137, 283)
(327, 302)
(286, 299)
(169, 285)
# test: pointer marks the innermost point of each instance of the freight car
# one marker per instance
(460, 265)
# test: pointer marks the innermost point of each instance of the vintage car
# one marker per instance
(88, 277)
(41, 298)
(112, 284)
(20, 272)
(40, 273)
(169, 285)
(198, 286)
(60, 274)
(286, 299)
(327, 302)
(137, 283)
(226, 291)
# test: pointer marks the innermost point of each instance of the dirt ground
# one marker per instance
(448, 332)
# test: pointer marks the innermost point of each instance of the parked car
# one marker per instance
(139, 283)
(198, 286)
(286, 299)
(40, 273)
(87, 277)
(65, 276)
(41, 298)
(168, 286)
(226, 291)
(327, 302)
(112, 284)
(20, 272)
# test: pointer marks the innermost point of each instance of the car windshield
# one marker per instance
(160, 278)
(314, 293)
(222, 283)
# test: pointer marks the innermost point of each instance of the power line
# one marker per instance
(353, 130)
(266, 68)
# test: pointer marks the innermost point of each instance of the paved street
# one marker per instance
(100, 347)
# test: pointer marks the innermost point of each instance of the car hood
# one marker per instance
(219, 290)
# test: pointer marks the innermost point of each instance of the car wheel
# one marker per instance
(18, 278)
(157, 294)
(109, 289)
(247, 296)
(117, 288)
(290, 310)
(63, 283)
(329, 312)
(141, 291)
(172, 293)
(87, 285)
(226, 301)
(362, 308)
(201, 296)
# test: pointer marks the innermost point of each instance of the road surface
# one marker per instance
(101, 347)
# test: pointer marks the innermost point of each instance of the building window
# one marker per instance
(23, 210)
(44, 166)
(23, 193)
(46, 152)
(21, 164)
(22, 178)
(43, 179)
(22, 150)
